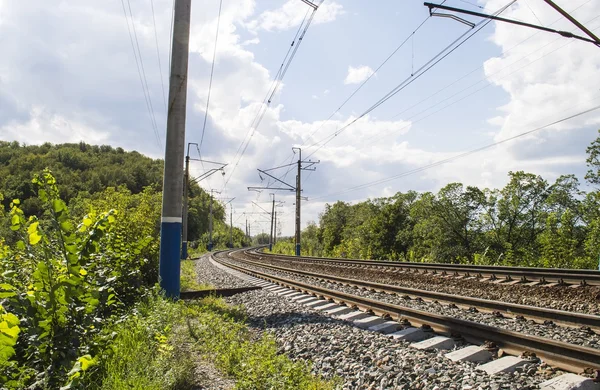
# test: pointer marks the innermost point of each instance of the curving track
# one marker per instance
(516, 274)
(570, 357)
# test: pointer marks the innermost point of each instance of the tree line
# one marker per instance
(528, 222)
(100, 172)
(79, 248)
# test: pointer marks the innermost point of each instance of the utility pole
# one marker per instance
(272, 217)
(231, 226)
(298, 194)
(171, 219)
(275, 234)
(289, 187)
(210, 220)
(186, 187)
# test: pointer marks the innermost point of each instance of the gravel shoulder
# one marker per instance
(207, 273)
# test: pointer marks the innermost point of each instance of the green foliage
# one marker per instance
(221, 237)
(63, 279)
(528, 222)
(189, 277)
(145, 352)
(90, 171)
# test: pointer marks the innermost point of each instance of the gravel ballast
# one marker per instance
(583, 336)
(362, 359)
(207, 273)
(583, 299)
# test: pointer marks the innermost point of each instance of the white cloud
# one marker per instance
(46, 127)
(253, 41)
(358, 75)
(61, 88)
(292, 13)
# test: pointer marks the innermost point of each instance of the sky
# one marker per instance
(83, 70)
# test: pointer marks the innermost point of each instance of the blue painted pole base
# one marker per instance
(184, 252)
(297, 249)
(169, 263)
(209, 246)
(270, 247)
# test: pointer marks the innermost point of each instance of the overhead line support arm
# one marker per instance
(565, 34)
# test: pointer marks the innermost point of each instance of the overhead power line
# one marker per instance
(292, 50)
(461, 155)
(162, 81)
(413, 77)
(411, 35)
(376, 136)
(140, 70)
(369, 141)
(212, 70)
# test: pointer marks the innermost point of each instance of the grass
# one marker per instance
(159, 344)
(145, 352)
(189, 278)
(223, 338)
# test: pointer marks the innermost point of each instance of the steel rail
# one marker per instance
(560, 317)
(524, 274)
(566, 356)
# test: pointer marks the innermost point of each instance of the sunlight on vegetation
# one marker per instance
(529, 222)
(79, 308)
(189, 277)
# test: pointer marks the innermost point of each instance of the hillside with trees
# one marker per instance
(528, 222)
(92, 173)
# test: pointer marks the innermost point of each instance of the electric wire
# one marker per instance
(272, 86)
(265, 99)
(162, 80)
(368, 78)
(137, 44)
(212, 70)
(531, 9)
(455, 157)
(137, 62)
(377, 136)
(409, 80)
(264, 107)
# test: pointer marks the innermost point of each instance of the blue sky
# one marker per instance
(68, 73)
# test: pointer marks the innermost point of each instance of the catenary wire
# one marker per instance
(409, 80)
(368, 78)
(477, 69)
(212, 70)
(461, 155)
(365, 143)
(148, 107)
(264, 106)
(375, 137)
(162, 80)
(137, 44)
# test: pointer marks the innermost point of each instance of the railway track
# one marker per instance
(533, 276)
(560, 317)
(570, 357)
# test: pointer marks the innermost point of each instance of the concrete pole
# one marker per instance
(298, 192)
(186, 185)
(231, 226)
(275, 234)
(210, 223)
(272, 215)
(170, 226)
